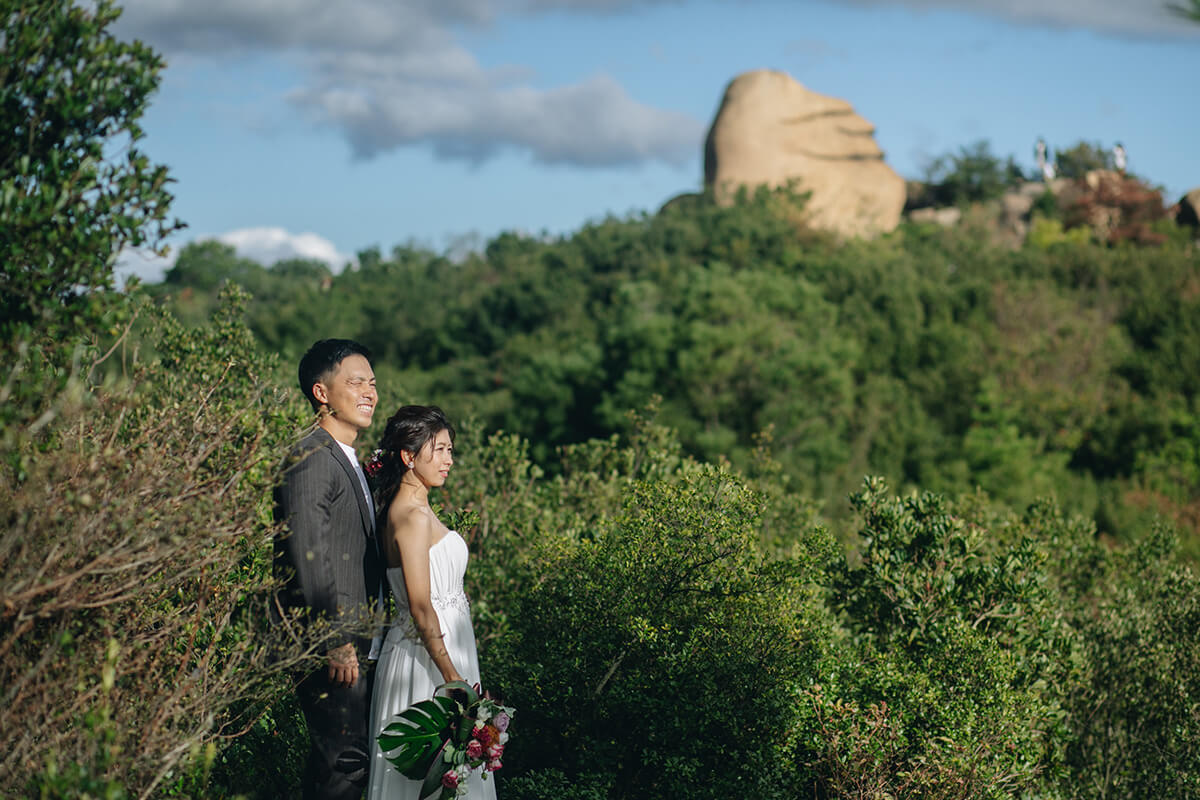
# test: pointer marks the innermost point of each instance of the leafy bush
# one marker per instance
(653, 655)
(971, 175)
(950, 684)
(1046, 232)
(1134, 730)
(1081, 158)
(136, 564)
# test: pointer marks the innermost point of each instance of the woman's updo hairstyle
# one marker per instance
(408, 430)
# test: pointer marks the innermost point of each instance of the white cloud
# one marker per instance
(605, 6)
(265, 245)
(268, 245)
(595, 123)
(142, 264)
(389, 75)
(1120, 17)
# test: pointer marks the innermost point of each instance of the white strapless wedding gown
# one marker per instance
(406, 674)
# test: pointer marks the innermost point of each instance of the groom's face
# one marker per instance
(350, 392)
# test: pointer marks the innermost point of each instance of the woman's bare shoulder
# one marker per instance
(409, 521)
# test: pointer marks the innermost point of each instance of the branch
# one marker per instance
(1191, 11)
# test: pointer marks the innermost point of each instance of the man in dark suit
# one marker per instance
(327, 555)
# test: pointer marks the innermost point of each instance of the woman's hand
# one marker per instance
(457, 694)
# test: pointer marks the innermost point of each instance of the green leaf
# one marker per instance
(415, 737)
(433, 777)
(472, 695)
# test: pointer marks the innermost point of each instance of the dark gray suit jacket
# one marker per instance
(327, 552)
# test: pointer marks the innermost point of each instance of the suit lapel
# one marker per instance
(368, 515)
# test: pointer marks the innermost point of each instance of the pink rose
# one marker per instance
(501, 722)
(450, 779)
(495, 751)
(494, 765)
(486, 735)
(474, 749)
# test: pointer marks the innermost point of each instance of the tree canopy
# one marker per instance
(74, 186)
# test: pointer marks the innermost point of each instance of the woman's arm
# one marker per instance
(412, 532)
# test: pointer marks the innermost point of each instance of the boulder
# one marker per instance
(1016, 207)
(1189, 209)
(946, 216)
(771, 131)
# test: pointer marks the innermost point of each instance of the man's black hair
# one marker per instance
(322, 359)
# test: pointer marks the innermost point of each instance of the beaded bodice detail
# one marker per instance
(447, 565)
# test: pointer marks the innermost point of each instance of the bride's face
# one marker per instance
(432, 464)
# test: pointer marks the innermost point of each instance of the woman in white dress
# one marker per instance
(430, 641)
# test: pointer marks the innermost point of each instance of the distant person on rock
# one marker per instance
(1119, 157)
(1045, 166)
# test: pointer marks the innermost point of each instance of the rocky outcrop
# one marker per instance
(946, 216)
(1115, 206)
(1188, 212)
(1016, 207)
(771, 131)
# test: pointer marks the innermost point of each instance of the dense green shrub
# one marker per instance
(1081, 158)
(1135, 720)
(949, 684)
(133, 486)
(136, 563)
(653, 656)
(971, 175)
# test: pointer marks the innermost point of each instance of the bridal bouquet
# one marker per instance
(440, 741)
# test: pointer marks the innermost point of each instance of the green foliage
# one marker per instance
(1082, 158)
(664, 619)
(1188, 10)
(413, 740)
(1046, 233)
(949, 686)
(859, 357)
(550, 782)
(86, 778)
(1133, 719)
(972, 175)
(74, 188)
(265, 761)
(136, 523)
(1046, 206)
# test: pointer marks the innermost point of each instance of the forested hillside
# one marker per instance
(1062, 369)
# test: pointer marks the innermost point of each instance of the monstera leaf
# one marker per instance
(416, 738)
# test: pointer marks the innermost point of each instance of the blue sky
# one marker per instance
(303, 127)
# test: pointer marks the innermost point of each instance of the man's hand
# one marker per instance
(343, 665)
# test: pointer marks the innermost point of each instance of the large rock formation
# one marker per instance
(1189, 209)
(770, 131)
